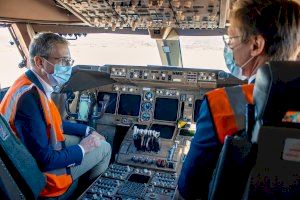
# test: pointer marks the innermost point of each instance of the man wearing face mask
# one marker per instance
(260, 31)
(63, 150)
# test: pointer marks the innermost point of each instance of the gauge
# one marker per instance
(145, 116)
(146, 106)
(149, 95)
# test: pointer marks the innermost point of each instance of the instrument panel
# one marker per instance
(165, 75)
(151, 102)
(159, 106)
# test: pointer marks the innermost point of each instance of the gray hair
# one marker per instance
(42, 45)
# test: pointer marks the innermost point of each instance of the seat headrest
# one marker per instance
(276, 91)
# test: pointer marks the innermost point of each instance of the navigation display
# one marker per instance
(166, 109)
(129, 104)
(111, 106)
(166, 131)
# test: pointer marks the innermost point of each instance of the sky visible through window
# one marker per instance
(120, 49)
(10, 58)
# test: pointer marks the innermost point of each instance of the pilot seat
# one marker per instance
(263, 162)
(20, 177)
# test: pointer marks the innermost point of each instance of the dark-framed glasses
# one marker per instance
(64, 61)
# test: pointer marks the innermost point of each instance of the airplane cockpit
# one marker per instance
(147, 113)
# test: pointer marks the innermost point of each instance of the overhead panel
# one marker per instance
(150, 14)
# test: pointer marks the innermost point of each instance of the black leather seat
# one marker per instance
(276, 173)
(20, 177)
(19, 165)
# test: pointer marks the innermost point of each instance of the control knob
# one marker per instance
(137, 170)
(146, 116)
(134, 159)
(152, 196)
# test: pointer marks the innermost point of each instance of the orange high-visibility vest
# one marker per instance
(228, 108)
(58, 181)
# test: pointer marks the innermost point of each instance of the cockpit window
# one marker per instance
(10, 59)
(120, 49)
(203, 52)
(126, 49)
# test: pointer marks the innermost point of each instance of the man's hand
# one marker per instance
(91, 142)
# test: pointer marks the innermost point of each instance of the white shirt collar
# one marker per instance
(47, 88)
(251, 79)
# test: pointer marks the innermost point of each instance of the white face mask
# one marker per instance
(234, 69)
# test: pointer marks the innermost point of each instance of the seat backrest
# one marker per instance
(276, 173)
(20, 163)
(232, 170)
(276, 91)
(8, 187)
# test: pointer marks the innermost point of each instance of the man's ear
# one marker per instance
(38, 61)
(258, 45)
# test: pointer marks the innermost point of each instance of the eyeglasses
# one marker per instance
(64, 61)
(227, 39)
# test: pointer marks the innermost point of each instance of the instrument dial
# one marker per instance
(145, 116)
(149, 95)
(147, 106)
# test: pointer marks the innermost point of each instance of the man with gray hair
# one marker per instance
(63, 150)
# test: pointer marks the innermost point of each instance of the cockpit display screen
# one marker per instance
(166, 131)
(129, 104)
(166, 109)
(139, 178)
(111, 106)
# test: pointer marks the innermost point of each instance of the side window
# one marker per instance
(9, 59)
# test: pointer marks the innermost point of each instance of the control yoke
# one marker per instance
(88, 108)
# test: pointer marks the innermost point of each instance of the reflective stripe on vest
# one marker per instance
(228, 108)
(10, 111)
(58, 181)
